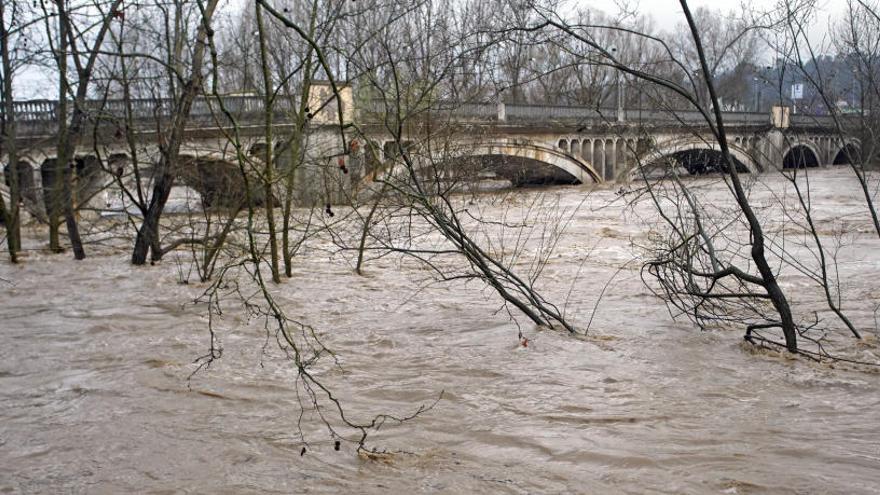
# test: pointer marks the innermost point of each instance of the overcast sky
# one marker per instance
(666, 14)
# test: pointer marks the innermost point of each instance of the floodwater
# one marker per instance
(95, 355)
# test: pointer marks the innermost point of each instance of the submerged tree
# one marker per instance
(14, 24)
(166, 169)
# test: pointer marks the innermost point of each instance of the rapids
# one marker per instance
(95, 355)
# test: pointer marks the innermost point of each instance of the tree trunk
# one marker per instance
(268, 170)
(11, 216)
(64, 163)
(148, 233)
(296, 147)
(777, 297)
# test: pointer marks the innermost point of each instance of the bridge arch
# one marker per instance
(24, 171)
(801, 155)
(258, 149)
(534, 153)
(848, 154)
(217, 181)
(519, 160)
(90, 180)
(691, 152)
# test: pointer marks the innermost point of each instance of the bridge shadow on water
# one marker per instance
(698, 162)
(521, 171)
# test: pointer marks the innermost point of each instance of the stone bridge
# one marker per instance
(526, 144)
(578, 144)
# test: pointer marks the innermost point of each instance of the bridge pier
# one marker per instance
(598, 158)
(610, 154)
(621, 162)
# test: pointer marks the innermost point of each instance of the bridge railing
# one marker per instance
(487, 111)
(372, 111)
(40, 117)
(551, 112)
(515, 113)
(801, 120)
(34, 110)
(545, 112)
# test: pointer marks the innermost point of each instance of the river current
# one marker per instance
(95, 355)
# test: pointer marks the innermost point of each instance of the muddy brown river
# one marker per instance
(95, 355)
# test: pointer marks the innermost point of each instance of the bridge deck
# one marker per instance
(40, 117)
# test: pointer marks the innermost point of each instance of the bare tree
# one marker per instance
(712, 270)
(13, 24)
(858, 49)
(82, 46)
(166, 169)
(417, 183)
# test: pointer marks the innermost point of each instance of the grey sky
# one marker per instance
(666, 14)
